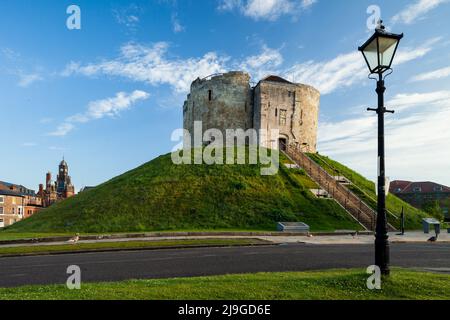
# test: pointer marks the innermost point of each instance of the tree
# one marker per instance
(434, 208)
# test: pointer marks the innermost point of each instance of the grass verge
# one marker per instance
(124, 245)
(7, 235)
(318, 285)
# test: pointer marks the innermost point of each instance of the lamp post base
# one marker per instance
(382, 255)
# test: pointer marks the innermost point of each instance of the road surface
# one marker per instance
(124, 265)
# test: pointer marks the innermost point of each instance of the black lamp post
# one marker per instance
(379, 52)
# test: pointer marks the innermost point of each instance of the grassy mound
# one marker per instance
(365, 190)
(162, 196)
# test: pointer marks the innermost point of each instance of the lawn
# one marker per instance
(314, 285)
(8, 235)
(125, 245)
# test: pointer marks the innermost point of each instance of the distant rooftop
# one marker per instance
(4, 192)
(17, 188)
(403, 187)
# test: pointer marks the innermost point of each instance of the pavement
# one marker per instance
(394, 237)
(409, 237)
(151, 264)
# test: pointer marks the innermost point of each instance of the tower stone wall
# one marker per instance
(227, 101)
(293, 109)
(220, 102)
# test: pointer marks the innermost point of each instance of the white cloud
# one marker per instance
(407, 101)
(177, 27)
(62, 130)
(99, 109)
(262, 64)
(416, 138)
(346, 69)
(128, 16)
(266, 9)
(10, 54)
(327, 76)
(150, 65)
(408, 54)
(29, 144)
(416, 11)
(28, 79)
(433, 75)
(109, 107)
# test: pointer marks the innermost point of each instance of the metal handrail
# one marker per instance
(353, 184)
(352, 203)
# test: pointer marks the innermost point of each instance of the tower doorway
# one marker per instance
(282, 144)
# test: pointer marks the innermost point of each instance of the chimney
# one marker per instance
(48, 178)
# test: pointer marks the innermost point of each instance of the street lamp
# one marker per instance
(379, 52)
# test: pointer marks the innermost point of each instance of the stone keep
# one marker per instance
(228, 101)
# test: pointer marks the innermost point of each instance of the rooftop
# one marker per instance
(11, 193)
(16, 188)
(403, 187)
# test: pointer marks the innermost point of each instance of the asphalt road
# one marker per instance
(116, 266)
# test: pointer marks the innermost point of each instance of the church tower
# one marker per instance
(64, 184)
(63, 175)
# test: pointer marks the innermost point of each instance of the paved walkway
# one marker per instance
(409, 237)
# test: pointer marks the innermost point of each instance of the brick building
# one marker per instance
(419, 194)
(17, 203)
(57, 190)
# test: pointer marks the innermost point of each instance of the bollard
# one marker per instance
(402, 222)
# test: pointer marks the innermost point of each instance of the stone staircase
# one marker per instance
(357, 208)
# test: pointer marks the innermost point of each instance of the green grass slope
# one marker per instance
(161, 196)
(365, 189)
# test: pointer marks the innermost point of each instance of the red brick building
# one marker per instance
(419, 194)
(57, 190)
(17, 203)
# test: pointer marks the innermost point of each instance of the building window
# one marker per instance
(276, 112)
(283, 117)
(209, 95)
(417, 189)
(1, 211)
(438, 188)
(2, 199)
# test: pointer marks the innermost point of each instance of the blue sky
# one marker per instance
(108, 96)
